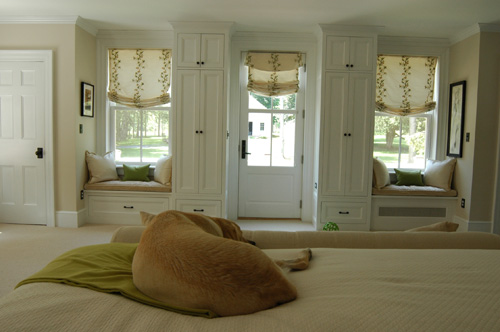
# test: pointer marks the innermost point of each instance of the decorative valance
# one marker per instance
(139, 78)
(405, 84)
(273, 74)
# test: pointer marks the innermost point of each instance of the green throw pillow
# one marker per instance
(409, 178)
(135, 173)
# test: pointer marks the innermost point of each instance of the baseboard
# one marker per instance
(472, 226)
(71, 219)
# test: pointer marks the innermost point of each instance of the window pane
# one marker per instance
(155, 135)
(386, 140)
(257, 102)
(284, 102)
(413, 143)
(259, 141)
(127, 135)
(141, 135)
(283, 149)
(400, 142)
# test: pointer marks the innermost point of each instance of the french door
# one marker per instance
(271, 150)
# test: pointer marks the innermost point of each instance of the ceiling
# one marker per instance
(416, 18)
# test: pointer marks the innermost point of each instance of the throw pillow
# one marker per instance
(439, 173)
(380, 174)
(101, 168)
(408, 178)
(163, 170)
(136, 173)
(444, 226)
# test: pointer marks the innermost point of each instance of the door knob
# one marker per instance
(39, 153)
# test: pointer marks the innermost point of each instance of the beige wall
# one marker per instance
(65, 40)
(464, 59)
(85, 70)
(476, 60)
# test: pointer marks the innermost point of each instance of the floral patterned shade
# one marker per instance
(405, 85)
(273, 74)
(139, 78)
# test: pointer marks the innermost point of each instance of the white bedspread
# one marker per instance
(343, 290)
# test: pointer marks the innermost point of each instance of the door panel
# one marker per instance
(22, 131)
(270, 178)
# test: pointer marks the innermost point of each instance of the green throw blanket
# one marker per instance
(105, 268)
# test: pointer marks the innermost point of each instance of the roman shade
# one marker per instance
(273, 74)
(405, 84)
(139, 78)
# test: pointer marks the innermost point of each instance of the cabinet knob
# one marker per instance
(347, 65)
(352, 65)
(345, 134)
(349, 134)
(197, 62)
(203, 62)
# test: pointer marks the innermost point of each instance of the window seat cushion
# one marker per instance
(393, 190)
(116, 185)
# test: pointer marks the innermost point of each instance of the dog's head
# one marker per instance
(231, 230)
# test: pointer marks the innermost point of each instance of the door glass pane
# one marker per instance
(283, 149)
(259, 139)
(257, 102)
(284, 102)
(127, 135)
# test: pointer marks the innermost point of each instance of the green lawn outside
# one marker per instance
(153, 148)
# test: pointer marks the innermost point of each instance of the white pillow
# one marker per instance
(439, 173)
(381, 176)
(163, 170)
(101, 168)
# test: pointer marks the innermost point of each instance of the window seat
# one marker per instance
(117, 185)
(394, 190)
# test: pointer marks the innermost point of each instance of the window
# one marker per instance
(140, 135)
(405, 110)
(402, 142)
(139, 104)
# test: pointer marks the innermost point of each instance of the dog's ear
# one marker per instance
(146, 217)
(230, 230)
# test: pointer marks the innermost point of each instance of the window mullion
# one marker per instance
(400, 135)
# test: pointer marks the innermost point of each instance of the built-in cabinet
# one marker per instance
(200, 108)
(346, 131)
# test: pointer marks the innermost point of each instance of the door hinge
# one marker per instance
(303, 114)
(302, 159)
(301, 204)
(305, 67)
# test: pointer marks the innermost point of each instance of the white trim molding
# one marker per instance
(76, 20)
(71, 219)
(472, 30)
(472, 226)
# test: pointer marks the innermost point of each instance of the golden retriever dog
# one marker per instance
(199, 262)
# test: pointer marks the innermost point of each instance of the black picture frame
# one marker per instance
(87, 100)
(456, 118)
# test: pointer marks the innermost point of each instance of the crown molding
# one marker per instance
(472, 30)
(76, 20)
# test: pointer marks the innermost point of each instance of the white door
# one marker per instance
(271, 143)
(23, 121)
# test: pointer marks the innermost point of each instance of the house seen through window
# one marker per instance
(405, 105)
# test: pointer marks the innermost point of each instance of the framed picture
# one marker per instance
(87, 99)
(456, 119)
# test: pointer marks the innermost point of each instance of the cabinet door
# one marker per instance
(334, 133)
(337, 53)
(360, 113)
(212, 51)
(187, 114)
(361, 54)
(188, 50)
(211, 131)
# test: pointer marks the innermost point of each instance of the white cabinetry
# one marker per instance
(200, 71)
(200, 131)
(346, 123)
(200, 50)
(349, 53)
(346, 135)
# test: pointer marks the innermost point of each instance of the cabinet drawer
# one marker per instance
(209, 208)
(350, 213)
(123, 210)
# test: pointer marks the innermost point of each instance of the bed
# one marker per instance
(357, 281)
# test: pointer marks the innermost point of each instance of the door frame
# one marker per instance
(294, 42)
(44, 56)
